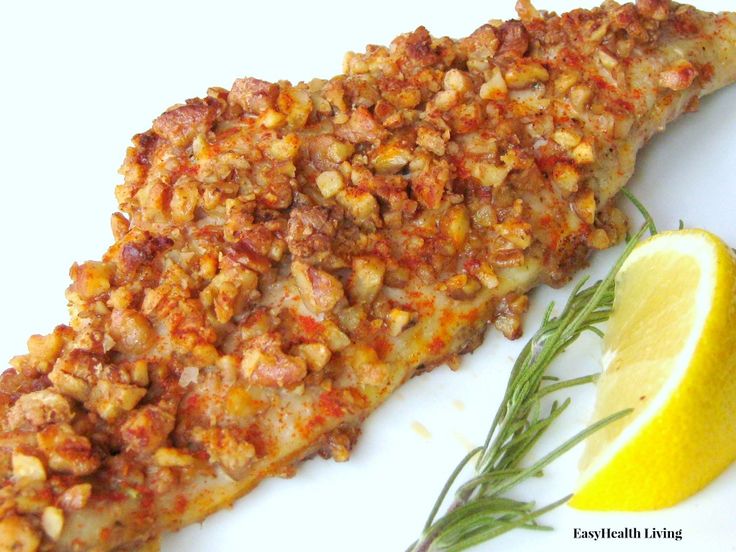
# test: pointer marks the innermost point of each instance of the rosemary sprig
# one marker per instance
(481, 509)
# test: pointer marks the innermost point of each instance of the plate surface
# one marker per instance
(79, 79)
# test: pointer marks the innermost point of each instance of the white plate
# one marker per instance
(79, 79)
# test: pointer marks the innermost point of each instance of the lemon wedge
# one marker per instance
(670, 355)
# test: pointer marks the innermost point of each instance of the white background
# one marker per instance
(77, 80)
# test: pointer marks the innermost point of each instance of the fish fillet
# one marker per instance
(286, 256)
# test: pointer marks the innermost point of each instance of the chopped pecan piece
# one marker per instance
(73, 374)
(330, 183)
(66, 451)
(361, 206)
(366, 280)
(678, 77)
(390, 159)
(46, 348)
(228, 448)
(52, 522)
(18, 535)
(91, 278)
(296, 104)
(428, 183)
(265, 363)
(507, 316)
(229, 291)
(110, 400)
(367, 366)
(140, 248)
(146, 429)
(317, 355)
(167, 457)
(361, 127)
(254, 95)
(319, 290)
(310, 230)
(400, 93)
(76, 497)
(514, 41)
(37, 409)
(655, 9)
(131, 331)
(181, 124)
(29, 467)
(415, 51)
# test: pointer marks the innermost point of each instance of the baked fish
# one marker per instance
(286, 256)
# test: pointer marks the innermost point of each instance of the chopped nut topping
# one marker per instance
(455, 224)
(223, 445)
(525, 73)
(517, 232)
(490, 174)
(335, 338)
(146, 429)
(567, 138)
(360, 205)
(284, 149)
(317, 355)
(585, 206)
(398, 319)
(76, 497)
(368, 367)
(167, 457)
(678, 77)
(110, 400)
(565, 81)
(319, 290)
(52, 521)
(18, 535)
(580, 95)
(253, 95)
(566, 177)
(487, 276)
(28, 467)
(131, 331)
(329, 183)
(457, 80)
(361, 127)
(295, 103)
(242, 404)
(583, 153)
(228, 292)
(495, 88)
(91, 278)
(445, 100)
(607, 60)
(656, 9)
(508, 315)
(366, 279)
(38, 409)
(265, 363)
(310, 230)
(431, 140)
(391, 159)
(45, 347)
(184, 200)
(598, 239)
(66, 451)
(181, 124)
